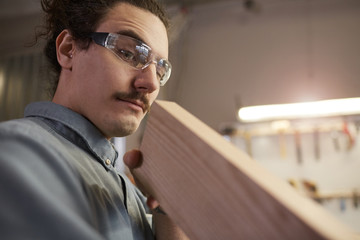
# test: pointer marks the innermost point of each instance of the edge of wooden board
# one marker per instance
(314, 216)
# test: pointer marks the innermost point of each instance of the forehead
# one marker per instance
(124, 17)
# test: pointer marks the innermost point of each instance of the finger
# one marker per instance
(152, 203)
(133, 159)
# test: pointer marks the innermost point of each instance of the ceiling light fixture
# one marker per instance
(325, 108)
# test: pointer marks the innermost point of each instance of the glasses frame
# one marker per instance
(108, 40)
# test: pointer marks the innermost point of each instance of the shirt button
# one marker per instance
(108, 162)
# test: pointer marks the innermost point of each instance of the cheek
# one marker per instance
(101, 76)
(111, 74)
(154, 95)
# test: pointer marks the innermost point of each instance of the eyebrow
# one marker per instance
(132, 34)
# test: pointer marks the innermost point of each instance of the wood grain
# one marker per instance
(212, 190)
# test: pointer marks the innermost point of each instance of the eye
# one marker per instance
(160, 69)
(159, 76)
(126, 55)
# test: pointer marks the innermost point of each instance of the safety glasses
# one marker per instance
(134, 52)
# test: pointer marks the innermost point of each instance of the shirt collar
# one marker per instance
(96, 143)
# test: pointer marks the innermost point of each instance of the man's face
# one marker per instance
(106, 90)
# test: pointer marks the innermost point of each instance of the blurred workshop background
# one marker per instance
(232, 54)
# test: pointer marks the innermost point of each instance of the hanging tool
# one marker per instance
(281, 127)
(298, 146)
(316, 144)
(292, 182)
(355, 198)
(282, 144)
(247, 137)
(342, 204)
(335, 140)
(310, 186)
(311, 190)
(350, 138)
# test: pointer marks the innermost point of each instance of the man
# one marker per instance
(57, 176)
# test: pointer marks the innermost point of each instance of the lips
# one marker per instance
(135, 102)
(135, 98)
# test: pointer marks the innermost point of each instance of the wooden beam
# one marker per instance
(212, 190)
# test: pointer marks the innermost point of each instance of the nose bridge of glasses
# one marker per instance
(151, 61)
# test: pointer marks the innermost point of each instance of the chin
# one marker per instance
(129, 131)
(122, 130)
(119, 126)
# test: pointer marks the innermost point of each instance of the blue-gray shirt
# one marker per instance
(58, 181)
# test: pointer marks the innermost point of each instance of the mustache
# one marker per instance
(135, 96)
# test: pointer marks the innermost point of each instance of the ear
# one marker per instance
(65, 46)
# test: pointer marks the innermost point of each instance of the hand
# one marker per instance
(133, 159)
(165, 227)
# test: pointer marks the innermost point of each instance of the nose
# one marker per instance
(146, 80)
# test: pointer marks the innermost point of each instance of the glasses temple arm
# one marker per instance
(99, 38)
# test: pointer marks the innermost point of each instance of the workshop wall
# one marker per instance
(320, 159)
(226, 56)
(288, 51)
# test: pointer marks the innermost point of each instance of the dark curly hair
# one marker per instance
(81, 18)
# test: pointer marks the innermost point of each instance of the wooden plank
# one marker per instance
(212, 190)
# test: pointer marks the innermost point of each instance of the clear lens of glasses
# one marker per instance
(136, 54)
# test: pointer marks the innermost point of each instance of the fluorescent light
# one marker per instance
(325, 108)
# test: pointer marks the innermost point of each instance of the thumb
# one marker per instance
(133, 159)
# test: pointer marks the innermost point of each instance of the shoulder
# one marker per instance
(38, 184)
(31, 157)
(29, 144)
(24, 136)
(21, 127)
